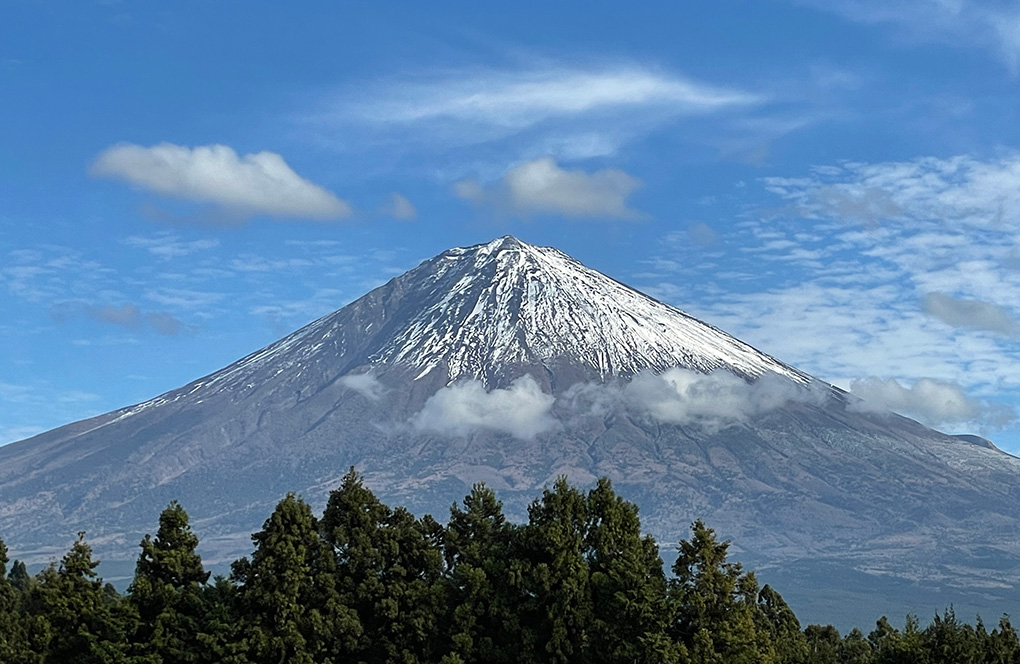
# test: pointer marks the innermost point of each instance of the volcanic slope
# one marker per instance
(510, 364)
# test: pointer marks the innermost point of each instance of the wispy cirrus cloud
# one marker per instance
(987, 24)
(253, 184)
(541, 187)
(546, 108)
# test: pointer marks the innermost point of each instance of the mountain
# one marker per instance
(511, 364)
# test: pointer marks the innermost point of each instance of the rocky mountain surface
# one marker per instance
(511, 364)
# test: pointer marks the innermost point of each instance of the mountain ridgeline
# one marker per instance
(513, 364)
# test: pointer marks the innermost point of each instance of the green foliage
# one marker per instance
(167, 592)
(478, 545)
(714, 604)
(628, 586)
(389, 573)
(77, 620)
(553, 577)
(367, 584)
(289, 604)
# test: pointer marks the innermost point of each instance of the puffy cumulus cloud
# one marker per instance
(974, 314)
(541, 187)
(260, 183)
(399, 207)
(365, 384)
(521, 410)
(931, 402)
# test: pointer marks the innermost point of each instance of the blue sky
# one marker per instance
(840, 187)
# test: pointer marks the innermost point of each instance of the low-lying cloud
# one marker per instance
(521, 410)
(254, 184)
(365, 384)
(931, 402)
(541, 187)
(709, 402)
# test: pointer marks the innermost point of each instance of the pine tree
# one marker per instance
(290, 609)
(84, 623)
(14, 646)
(823, 643)
(389, 571)
(714, 603)
(855, 649)
(167, 591)
(1002, 645)
(627, 583)
(484, 623)
(775, 618)
(551, 574)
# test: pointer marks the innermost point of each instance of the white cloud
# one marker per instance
(521, 410)
(987, 24)
(709, 402)
(260, 183)
(541, 187)
(365, 384)
(974, 314)
(519, 99)
(931, 402)
(547, 108)
(400, 208)
(167, 246)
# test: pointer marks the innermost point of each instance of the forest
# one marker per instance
(578, 582)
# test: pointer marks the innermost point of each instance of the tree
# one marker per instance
(714, 603)
(14, 645)
(290, 609)
(389, 571)
(551, 575)
(776, 618)
(167, 591)
(478, 544)
(628, 585)
(84, 623)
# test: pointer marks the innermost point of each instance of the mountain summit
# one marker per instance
(511, 364)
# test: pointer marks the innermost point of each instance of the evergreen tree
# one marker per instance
(14, 645)
(389, 571)
(19, 576)
(484, 622)
(855, 649)
(1002, 646)
(775, 618)
(824, 644)
(891, 646)
(714, 604)
(628, 585)
(947, 641)
(289, 604)
(167, 591)
(84, 623)
(551, 574)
